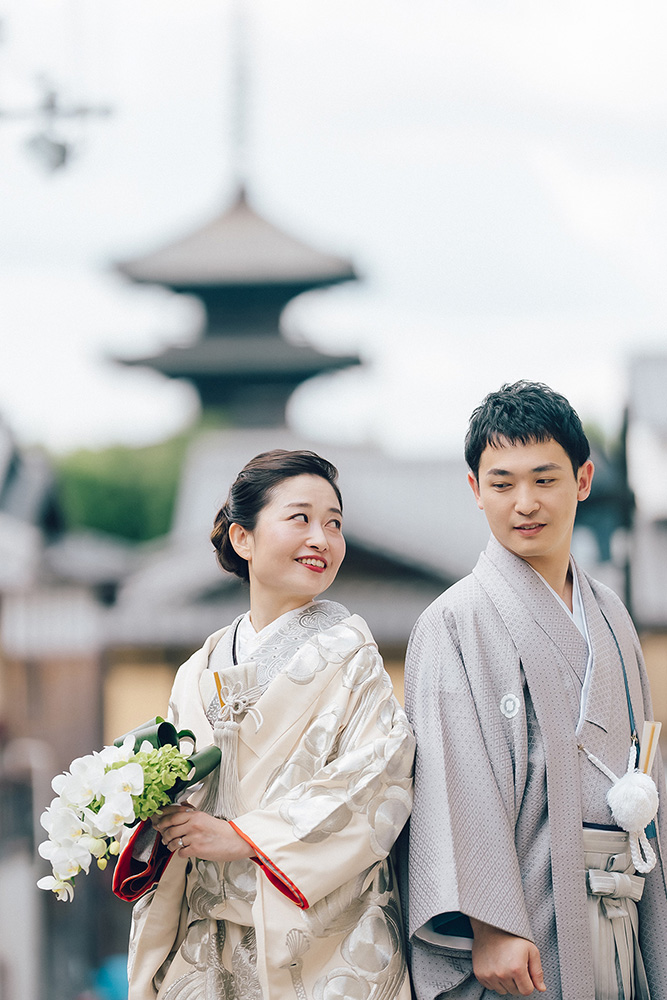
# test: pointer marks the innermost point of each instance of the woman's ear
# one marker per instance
(240, 540)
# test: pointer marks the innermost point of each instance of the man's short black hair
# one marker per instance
(525, 412)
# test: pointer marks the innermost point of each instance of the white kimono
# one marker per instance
(494, 682)
(325, 777)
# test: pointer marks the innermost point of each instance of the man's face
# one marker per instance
(529, 495)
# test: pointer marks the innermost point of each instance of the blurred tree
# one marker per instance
(610, 507)
(127, 492)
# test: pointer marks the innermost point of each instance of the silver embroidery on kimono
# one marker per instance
(210, 980)
(280, 647)
(373, 943)
(349, 763)
(297, 943)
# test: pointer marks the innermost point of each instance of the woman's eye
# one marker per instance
(334, 522)
(300, 517)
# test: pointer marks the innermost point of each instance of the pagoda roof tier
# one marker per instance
(238, 247)
(268, 359)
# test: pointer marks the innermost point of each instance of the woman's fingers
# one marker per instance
(175, 838)
(178, 844)
(172, 825)
(192, 833)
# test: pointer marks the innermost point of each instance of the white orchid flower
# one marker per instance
(129, 778)
(64, 823)
(63, 889)
(66, 859)
(81, 785)
(114, 754)
(83, 765)
(90, 818)
(117, 811)
(61, 782)
(96, 845)
(47, 817)
(47, 849)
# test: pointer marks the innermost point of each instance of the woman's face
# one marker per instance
(297, 545)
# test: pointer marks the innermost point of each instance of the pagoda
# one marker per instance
(244, 270)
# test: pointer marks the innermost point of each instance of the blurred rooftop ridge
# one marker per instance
(238, 247)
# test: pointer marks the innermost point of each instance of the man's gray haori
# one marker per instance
(497, 665)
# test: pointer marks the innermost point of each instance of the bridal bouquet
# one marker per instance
(111, 789)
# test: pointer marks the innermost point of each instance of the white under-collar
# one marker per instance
(577, 614)
(247, 639)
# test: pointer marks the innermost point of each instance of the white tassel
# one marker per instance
(633, 800)
(223, 794)
(643, 855)
(223, 797)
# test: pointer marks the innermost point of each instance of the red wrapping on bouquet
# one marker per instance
(133, 878)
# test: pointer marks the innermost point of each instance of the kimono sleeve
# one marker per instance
(311, 836)
(461, 854)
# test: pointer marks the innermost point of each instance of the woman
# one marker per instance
(279, 884)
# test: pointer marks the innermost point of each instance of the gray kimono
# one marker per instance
(494, 681)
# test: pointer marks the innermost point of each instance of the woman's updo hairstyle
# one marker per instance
(251, 492)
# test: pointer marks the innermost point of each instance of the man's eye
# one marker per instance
(545, 482)
(500, 486)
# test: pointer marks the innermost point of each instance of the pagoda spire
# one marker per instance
(244, 270)
(240, 90)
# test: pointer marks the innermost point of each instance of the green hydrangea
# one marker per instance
(162, 768)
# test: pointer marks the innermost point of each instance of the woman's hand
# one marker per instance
(194, 834)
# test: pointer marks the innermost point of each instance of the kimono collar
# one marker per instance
(542, 633)
(273, 648)
(541, 605)
(521, 573)
(248, 639)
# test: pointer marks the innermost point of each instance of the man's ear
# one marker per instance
(474, 486)
(585, 479)
(240, 539)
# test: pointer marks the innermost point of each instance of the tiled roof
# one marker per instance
(421, 513)
(238, 247)
(255, 360)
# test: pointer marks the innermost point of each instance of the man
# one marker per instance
(514, 681)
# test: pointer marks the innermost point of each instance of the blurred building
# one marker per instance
(52, 587)
(647, 550)
(28, 521)
(244, 271)
(92, 629)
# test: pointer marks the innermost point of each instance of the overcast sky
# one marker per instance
(496, 172)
